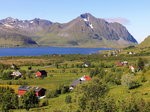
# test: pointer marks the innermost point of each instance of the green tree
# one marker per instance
(8, 99)
(110, 105)
(7, 75)
(134, 104)
(90, 94)
(129, 81)
(141, 64)
(68, 99)
(29, 99)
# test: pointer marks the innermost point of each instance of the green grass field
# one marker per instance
(68, 71)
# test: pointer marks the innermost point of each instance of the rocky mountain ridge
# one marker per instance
(84, 31)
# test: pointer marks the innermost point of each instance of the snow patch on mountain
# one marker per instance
(8, 26)
(31, 22)
(91, 26)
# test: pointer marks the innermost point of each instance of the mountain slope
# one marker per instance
(84, 31)
(145, 43)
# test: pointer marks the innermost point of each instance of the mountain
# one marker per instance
(145, 43)
(84, 31)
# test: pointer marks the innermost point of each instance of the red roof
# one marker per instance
(87, 77)
(131, 67)
(41, 73)
(119, 64)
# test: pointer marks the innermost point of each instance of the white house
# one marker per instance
(132, 68)
(16, 73)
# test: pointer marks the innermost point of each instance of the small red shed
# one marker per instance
(38, 90)
(41, 73)
(119, 64)
(87, 77)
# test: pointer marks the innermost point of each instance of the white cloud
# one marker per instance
(120, 20)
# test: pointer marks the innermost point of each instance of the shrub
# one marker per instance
(7, 75)
(51, 94)
(129, 81)
(68, 99)
(141, 64)
(44, 102)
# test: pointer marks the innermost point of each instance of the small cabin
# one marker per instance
(16, 74)
(38, 90)
(41, 73)
(132, 68)
(119, 64)
(79, 81)
(86, 64)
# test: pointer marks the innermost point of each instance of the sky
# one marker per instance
(133, 14)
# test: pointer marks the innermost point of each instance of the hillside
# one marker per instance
(124, 87)
(84, 31)
(145, 43)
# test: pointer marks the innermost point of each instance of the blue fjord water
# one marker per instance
(35, 51)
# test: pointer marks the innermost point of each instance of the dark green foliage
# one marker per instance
(44, 102)
(68, 99)
(143, 79)
(141, 64)
(114, 78)
(97, 72)
(4, 66)
(129, 47)
(30, 68)
(29, 100)
(134, 104)
(62, 89)
(8, 99)
(7, 75)
(90, 95)
(129, 81)
(55, 93)
(110, 105)
(51, 94)
(65, 89)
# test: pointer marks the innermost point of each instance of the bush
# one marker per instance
(51, 94)
(7, 75)
(134, 104)
(129, 81)
(68, 99)
(141, 64)
(44, 102)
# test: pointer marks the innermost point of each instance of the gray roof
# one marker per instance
(76, 82)
(29, 87)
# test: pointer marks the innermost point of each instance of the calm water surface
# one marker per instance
(35, 51)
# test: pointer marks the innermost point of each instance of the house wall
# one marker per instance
(38, 74)
(41, 92)
(21, 92)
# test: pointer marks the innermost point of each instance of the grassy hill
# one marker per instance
(63, 69)
(145, 43)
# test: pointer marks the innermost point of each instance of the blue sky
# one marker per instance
(136, 13)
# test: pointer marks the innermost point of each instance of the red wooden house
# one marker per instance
(38, 90)
(85, 77)
(41, 73)
(79, 81)
(119, 64)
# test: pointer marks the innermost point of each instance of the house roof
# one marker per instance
(131, 67)
(76, 82)
(87, 63)
(85, 77)
(119, 63)
(16, 73)
(42, 71)
(36, 89)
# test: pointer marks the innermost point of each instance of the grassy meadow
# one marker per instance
(63, 69)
